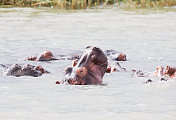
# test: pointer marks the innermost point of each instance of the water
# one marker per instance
(146, 37)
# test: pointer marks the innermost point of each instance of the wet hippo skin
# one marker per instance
(45, 56)
(114, 55)
(67, 54)
(61, 55)
(27, 70)
(170, 71)
(90, 68)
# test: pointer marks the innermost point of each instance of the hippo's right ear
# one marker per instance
(68, 70)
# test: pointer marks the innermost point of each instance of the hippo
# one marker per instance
(167, 72)
(161, 73)
(158, 73)
(114, 55)
(170, 71)
(115, 67)
(88, 70)
(45, 56)
(48, 56)
(27, 70)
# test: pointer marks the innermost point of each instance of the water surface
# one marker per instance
(147, 38)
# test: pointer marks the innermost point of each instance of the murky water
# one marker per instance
(148, 39)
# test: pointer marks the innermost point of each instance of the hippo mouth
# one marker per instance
(76, 77)
(76, 81)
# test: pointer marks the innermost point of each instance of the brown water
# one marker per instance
(148, 38)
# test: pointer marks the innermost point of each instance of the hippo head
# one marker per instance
(46, 56)
(121, 57)
(170, 70)
(27, 70)
(90, 69)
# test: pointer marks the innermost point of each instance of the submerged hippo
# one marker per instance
(170, 71)
(74, 54)
(45, 56)
(48, 56)
(167, 72)
(114, 55)
(114, 67)
(161, 73)
(28, 70)
(89, 69)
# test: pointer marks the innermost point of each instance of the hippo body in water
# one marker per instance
(90, 68)
(62, 55)
(45, 56)
(165, 73)
(114, 55)
(73, 54)
(161, 74)
(28, 70)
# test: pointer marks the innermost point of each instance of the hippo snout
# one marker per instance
(81, 71)
(89, 69)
